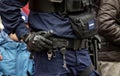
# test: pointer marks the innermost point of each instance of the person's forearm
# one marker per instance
(11, 16)
(108, 26)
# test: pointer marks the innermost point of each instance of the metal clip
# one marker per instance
(50, 54)
(63, 51)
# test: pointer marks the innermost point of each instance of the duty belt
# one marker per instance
(72, 44)
(64, 44)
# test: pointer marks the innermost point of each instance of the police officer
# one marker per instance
(54, 45)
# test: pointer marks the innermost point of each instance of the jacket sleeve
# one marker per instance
(107, 25)
(11, 16)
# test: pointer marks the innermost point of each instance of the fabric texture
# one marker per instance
(76, 62)
(109, 29)
(109, 68)
(15, 56)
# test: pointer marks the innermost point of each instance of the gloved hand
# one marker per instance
(38, 41)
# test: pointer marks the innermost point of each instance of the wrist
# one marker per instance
(25, 37)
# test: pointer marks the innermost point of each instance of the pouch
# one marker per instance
(83, 25)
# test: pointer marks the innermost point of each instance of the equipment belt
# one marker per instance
(72, 44)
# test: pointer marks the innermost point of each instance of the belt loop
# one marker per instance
(87, 43)
(82, 45)
(77, 44)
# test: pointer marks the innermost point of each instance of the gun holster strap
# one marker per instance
(72, 44)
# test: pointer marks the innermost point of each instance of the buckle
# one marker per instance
(59, 43)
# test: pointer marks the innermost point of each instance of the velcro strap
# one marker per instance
(73, 44)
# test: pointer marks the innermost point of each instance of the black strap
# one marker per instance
(73, 44)
(87, 71)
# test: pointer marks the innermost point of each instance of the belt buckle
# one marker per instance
(63, 43)
(58, 43)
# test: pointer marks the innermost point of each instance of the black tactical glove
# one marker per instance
(38, 41)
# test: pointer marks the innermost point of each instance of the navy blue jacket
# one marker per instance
(10, 13)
